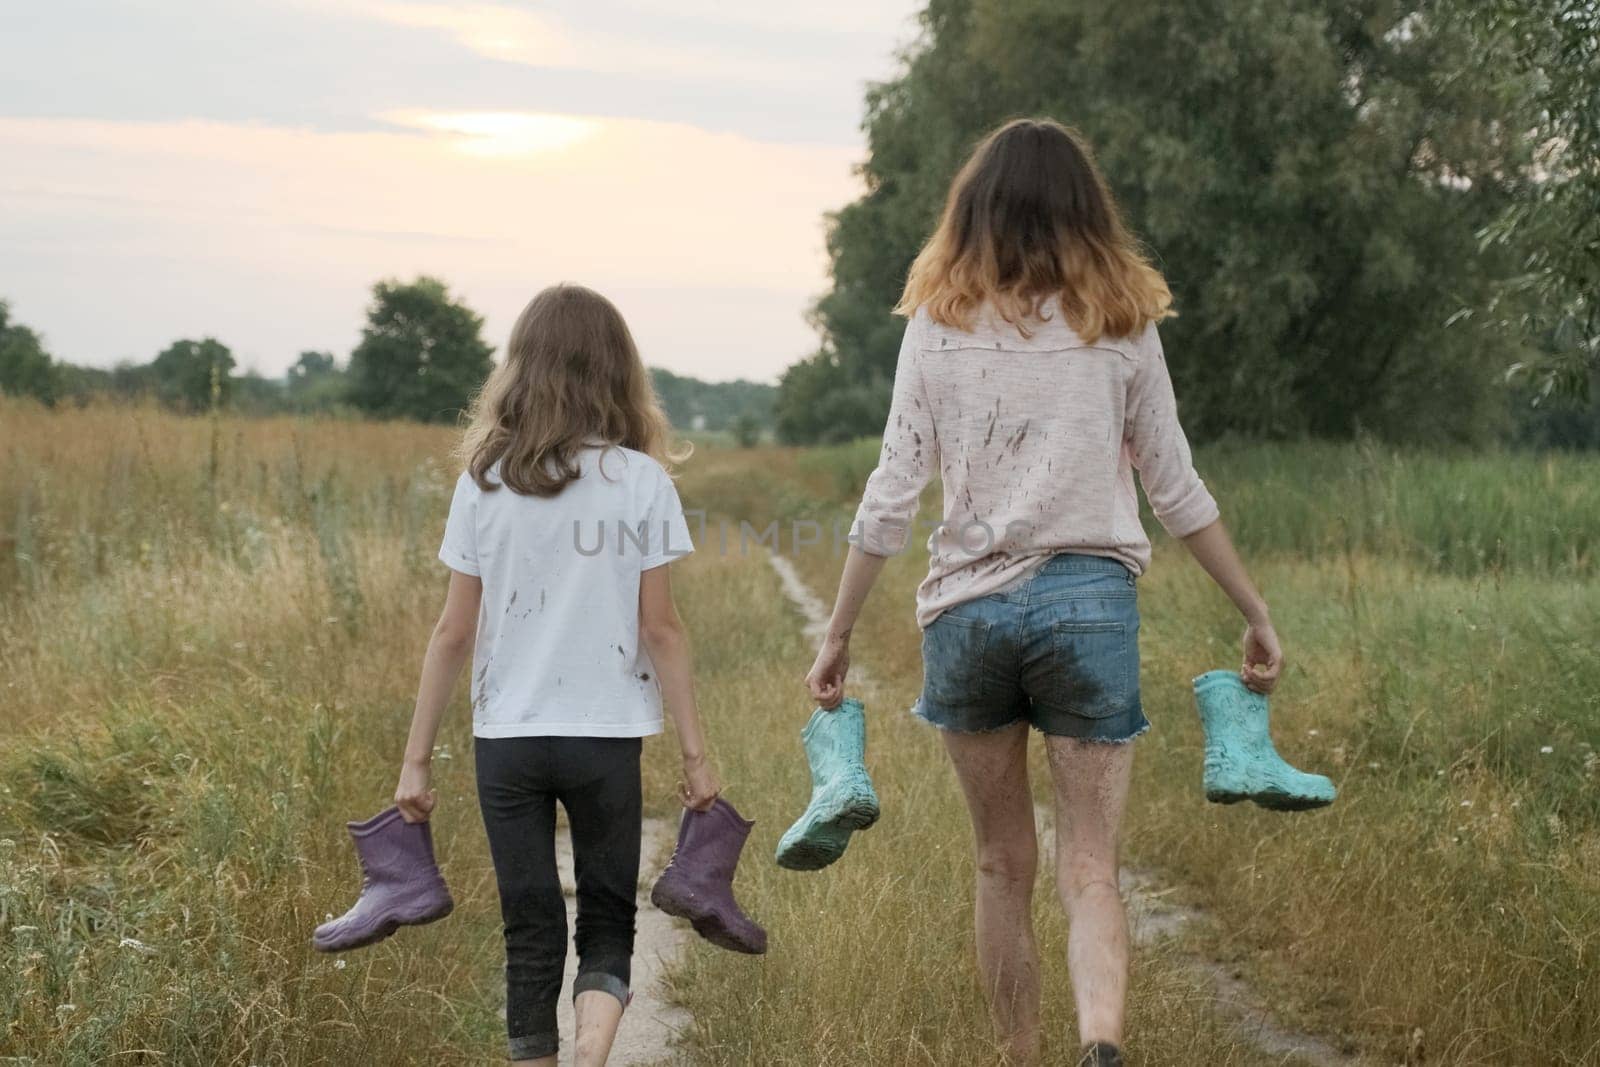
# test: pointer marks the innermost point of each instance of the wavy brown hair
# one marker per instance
(1030, 217)
(572, 377)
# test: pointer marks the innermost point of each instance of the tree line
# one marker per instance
(1377, 216)
(421, 356)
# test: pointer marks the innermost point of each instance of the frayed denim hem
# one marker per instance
(1138, 733)
(917, 712)
(1130, 739)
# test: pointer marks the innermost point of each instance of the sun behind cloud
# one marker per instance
(501, 134)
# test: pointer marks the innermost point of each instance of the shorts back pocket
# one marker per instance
(1091, 667)
(953, 650)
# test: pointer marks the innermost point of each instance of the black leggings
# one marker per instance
(597, 780)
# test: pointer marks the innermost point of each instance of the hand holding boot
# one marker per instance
(413, 796)
(700, 786)
(1263, 657)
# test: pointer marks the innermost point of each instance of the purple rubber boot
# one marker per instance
(698, 884)
(400, 884)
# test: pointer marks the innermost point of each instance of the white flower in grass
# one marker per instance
(1466, 803)
(338, 965)
(137, 946)
(1545, 750)
(1312, 733)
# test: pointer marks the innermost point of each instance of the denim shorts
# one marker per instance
(1059, 649)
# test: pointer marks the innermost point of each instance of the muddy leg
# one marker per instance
(1091, 790)
(993, 770)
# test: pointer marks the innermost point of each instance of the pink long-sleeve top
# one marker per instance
(1036, 439)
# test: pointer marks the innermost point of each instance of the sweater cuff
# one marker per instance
(876, 535)
(1193, 513)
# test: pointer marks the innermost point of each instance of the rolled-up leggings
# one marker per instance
(596, 779)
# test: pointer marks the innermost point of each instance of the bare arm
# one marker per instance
(1213, 549)
(448, 651)
(906, 462)
(1184, 506)
(826, 680)
(667, 641)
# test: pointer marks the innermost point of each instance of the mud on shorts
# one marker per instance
(1060, 650)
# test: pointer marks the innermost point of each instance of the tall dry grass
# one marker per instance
(870, 961)
(208, 641)
(1450, 902)
(207, 635)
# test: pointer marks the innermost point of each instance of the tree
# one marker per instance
(747, 430)
(191, 376)
(820, 402)
(311, 366)
(81, 385)
(315, 382)
(253, 394)
(1311, 176)
(1555, 224)
(693, 404)
(26, 369)
(421, 355)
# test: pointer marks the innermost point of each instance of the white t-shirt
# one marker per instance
(558, 650)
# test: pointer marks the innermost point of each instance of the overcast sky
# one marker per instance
(247, 169)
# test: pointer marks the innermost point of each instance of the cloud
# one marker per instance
(886, 20)
(542, 39)
(768, 71)
(502, 133)
(116, 238)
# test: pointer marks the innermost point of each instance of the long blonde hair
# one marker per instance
(1030, 217)
(571, 378)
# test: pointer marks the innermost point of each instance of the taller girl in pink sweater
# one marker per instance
(1032, 381)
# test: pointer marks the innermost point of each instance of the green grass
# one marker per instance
(1466, 514)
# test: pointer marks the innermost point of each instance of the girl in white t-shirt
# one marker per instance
(558, 542)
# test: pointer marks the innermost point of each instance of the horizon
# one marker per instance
(182, 172)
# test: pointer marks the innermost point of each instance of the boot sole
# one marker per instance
(824, 842)
(706, 922)
(1270, 801)
(383, 931)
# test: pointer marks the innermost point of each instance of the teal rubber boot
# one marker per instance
(842, 797)
(1241, 763)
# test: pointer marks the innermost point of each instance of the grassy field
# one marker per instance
(209, 633)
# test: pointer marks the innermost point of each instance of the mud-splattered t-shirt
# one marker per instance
(558, 650)
(1035, 439)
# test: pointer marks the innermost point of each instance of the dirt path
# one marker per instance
(1151, 917)
(651, 1024)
